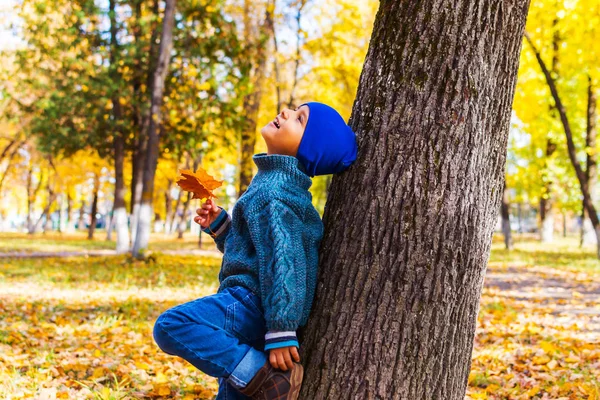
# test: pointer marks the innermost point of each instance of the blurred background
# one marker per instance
(77, 84)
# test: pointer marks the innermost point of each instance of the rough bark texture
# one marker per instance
(408, 227)
(164, 55)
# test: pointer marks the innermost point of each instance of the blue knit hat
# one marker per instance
(328, 145)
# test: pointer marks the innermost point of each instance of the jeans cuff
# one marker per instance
(247, 368)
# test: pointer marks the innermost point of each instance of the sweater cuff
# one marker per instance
(277, 339)
(219, 225)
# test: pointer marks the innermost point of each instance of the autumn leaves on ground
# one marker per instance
(81, 328)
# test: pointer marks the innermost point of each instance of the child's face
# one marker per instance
(286, 138)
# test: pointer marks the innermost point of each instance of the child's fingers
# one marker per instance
(295, 354)
(281, 362)
(288, 360)
(273, 360)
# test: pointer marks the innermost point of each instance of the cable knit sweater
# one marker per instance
(270, 245)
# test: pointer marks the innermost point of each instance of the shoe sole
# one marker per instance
(296, 381)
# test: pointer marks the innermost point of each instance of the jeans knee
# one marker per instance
(161, 332)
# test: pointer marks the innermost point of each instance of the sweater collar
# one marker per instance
(281, 167)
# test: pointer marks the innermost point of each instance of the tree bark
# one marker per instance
(504, 211)
(591, 171)
(164, 55)
(119, 216)
(398, 294)
(583, 184)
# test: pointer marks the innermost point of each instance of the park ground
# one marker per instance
(80, 327)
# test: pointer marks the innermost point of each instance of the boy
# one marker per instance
(245, 334)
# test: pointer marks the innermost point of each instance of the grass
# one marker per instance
(77, 241)
(564, 252)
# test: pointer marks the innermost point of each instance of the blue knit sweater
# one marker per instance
(270, 245)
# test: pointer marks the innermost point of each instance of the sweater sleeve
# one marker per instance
(276, 232)
(219, 229)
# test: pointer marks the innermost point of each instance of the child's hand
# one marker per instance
(282, 357)
(208, 212)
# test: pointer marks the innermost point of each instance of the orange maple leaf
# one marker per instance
(200, 183)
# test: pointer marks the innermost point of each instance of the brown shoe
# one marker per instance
(274, 384)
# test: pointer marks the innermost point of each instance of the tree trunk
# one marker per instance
(546, 206)
(504, 211)
(173, 219)
(70, 220)
(182, 226)
(93, 219)
(164, 54)
(31, 198)
(564, 119)
(591, 172)
(168, 208)
(119, 217)
(81, 224)
(398, 294)
(252, 100)
(110, 222)
(141, 147)
(546, 200)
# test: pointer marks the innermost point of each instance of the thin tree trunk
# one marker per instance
(184, 216)
(587, 199)
(110, 225)
(591, 171)
(504, 211)
(31, 198)
(252, 100)
(168, 208)
(546, 200)
(81, 223)
(398, 294)
(70, 220)
(173, 219)
(93, 219)
(51, 198)
(164, 54)
(119, 216)
(141, 148)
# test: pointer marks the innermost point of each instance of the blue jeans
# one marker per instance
(222, 335)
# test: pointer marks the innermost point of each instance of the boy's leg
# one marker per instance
(206, 332)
